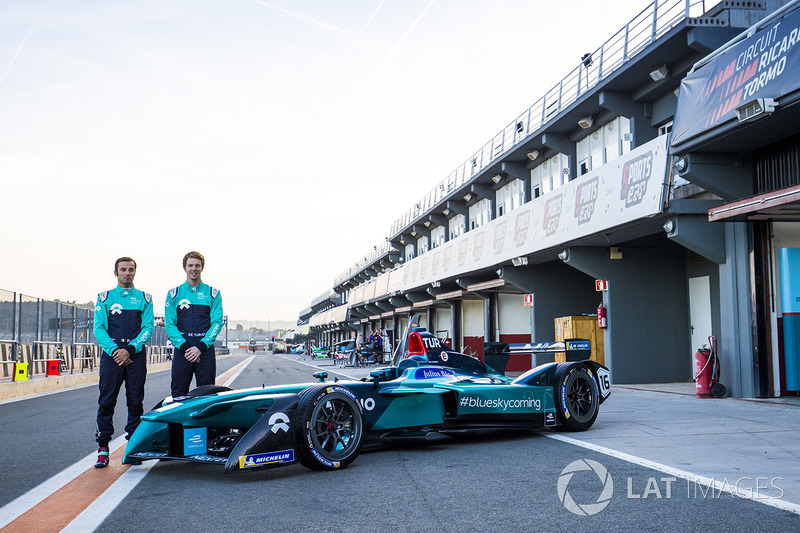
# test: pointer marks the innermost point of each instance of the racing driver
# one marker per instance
(193, 319)
(123, 323)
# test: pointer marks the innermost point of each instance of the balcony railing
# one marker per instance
(645, 28)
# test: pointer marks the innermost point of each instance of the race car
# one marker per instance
(320, 351)
(430, 392)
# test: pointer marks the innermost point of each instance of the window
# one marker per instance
(456, 226)
(437, 236)
(550, 175)
(509, 197)
(664, 129)
(604, 145)
(422, 245)
(479, 214)
(409, 252)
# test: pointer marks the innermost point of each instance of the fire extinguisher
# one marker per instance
(602, 319)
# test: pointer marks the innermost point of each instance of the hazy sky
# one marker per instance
(279, 138)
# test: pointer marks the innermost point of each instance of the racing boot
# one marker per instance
(102, 457)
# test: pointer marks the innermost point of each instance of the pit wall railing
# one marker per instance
(34, 331)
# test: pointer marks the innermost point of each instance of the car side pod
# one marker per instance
(270, 442)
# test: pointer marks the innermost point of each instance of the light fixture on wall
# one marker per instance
(468, 197)
(533, 154)
(427, 223)
(669, 226)
(755, 108)
(446, 212)
(563, 255)
(681, 164)
(519, 261)
(497, 178)
(586, 122)
(659, 73)
(586, 59)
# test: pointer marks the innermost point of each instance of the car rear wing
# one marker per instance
(575, 349)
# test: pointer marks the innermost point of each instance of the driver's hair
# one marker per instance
(194, 255)
(124, 259)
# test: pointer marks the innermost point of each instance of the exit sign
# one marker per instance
(601, 285)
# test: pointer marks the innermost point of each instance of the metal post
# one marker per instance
(14, 328)
(58, 318)
(655, 21)
(625, 46)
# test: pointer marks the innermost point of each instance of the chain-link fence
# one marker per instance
(37, 336)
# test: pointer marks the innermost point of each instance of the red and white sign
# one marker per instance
(529, 300)
(601, 285)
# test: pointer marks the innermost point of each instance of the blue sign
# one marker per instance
(263, 459)
(194, 441)
(432, 373)
(579, 345)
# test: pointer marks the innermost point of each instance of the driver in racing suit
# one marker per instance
(123, 323)
(193, 319)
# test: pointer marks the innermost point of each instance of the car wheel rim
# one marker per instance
(580, 398)
(333, 429)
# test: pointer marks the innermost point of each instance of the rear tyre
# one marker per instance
(577, 399)
(203, 390)
(329, 427)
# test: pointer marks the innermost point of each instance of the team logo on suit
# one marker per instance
(183, 304)
(116, 309)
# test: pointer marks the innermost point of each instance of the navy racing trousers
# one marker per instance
(204, 371)
(111, 378)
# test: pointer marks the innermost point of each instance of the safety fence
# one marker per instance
(49, 337)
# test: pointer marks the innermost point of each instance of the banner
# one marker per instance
(765, 65)
(624, 190)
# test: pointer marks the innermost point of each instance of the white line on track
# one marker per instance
(16, 508)
(719, 485)
(91, 517)
(99, 510)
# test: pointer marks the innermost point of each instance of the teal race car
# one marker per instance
(428, 393)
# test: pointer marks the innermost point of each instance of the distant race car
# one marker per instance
(320, 351)
(429, 392)
(298, 348)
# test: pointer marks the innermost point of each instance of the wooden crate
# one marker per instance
(581, 327)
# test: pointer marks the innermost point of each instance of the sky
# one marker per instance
(279, 138)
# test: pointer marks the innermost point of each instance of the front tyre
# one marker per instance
(577, 399)
(204, 390)
(329, 427)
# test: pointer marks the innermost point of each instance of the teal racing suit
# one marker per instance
(193, 317)
(123, 318)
